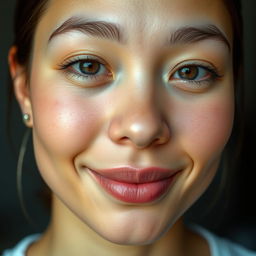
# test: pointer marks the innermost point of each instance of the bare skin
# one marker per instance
(138, 110)
(173, 241)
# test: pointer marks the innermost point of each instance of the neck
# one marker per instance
(68, 235)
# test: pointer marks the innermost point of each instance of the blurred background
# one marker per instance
(233, 216)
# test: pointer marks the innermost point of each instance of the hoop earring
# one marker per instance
(22, 151)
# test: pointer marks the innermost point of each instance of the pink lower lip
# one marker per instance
(134, 192)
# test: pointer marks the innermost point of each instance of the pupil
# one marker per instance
(188, 73)
(89, 67)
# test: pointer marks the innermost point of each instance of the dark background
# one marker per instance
(235, 218)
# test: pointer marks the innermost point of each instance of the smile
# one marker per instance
(134, 185)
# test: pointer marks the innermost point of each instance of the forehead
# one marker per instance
(138, 17)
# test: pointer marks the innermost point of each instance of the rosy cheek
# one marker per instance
(65, 123)
(205, 128)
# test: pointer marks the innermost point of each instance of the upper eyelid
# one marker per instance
(81, 57)
(194, 62)
(206, 68)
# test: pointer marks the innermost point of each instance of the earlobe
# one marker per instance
(20, 83)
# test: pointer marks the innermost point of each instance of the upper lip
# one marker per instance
(136, 175)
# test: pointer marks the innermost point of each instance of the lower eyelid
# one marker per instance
(193, 87)
(88, 80)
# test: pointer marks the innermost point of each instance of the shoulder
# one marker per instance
(221, 246)
(21, 247)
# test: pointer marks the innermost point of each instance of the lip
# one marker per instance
(135, 185)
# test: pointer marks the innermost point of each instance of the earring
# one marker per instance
(26, 117)
(19, 171)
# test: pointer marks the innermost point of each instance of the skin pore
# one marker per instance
(161, 95)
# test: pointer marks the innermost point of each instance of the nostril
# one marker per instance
(81, 166)
(124, 138)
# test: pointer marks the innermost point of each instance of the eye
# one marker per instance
(87, 67)
(88, 70)
(194, 77)
(194, 73)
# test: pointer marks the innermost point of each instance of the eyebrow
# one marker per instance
(107, 30)
(189, 34)
(100, 29)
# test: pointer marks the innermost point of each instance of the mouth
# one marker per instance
(135, 185)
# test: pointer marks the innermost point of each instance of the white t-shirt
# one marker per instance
(218, 246)
(21, 247)
(222, 247)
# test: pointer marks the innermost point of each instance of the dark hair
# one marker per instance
(27, 16)
(29, 12)
(234, 147)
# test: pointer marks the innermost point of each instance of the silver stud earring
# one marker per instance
(26, 117)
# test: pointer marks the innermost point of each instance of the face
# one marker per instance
(132, 105)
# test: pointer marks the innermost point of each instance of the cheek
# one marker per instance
(203, 128)
(206, 127)
(64, 123)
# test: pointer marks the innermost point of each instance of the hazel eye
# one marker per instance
(189, 73)
(89, 67)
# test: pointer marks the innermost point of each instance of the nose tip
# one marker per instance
(141, 131)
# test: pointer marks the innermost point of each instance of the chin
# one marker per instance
(130, 239)
(134, 235)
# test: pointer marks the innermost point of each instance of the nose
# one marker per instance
(140, 124)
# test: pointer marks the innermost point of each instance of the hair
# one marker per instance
(29, 12)
(27, 16)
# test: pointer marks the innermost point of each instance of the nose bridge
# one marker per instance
(141, 87)
(142, 106)
(139, 119)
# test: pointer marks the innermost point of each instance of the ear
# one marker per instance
(20, 83)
